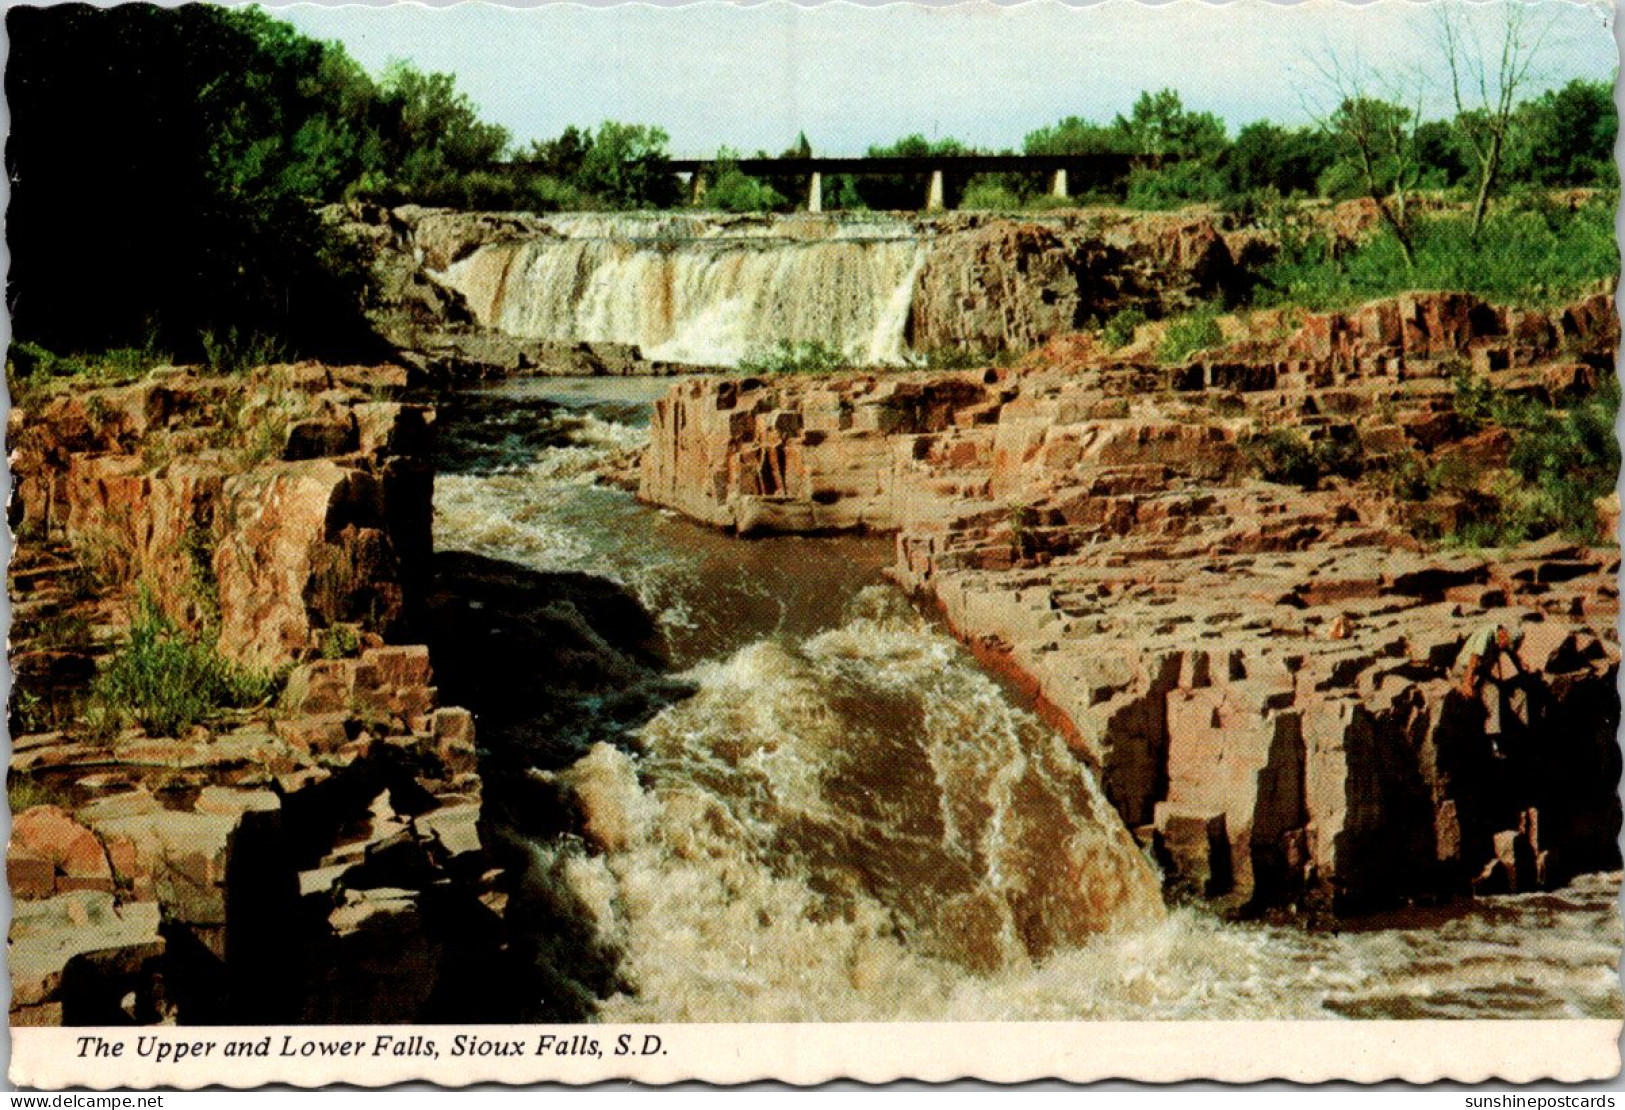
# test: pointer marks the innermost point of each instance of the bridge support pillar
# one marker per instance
(696, 187)
(933, 194)
(815, 192)
(1057, 185)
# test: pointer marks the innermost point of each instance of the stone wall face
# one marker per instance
(292, 514)
(1263, 676)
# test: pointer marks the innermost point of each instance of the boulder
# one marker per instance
(50, 852)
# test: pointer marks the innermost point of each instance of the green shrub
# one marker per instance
(1195, 331)
(203, 587)
(785, 357)
(553, 194)
(340, 641)
(1175, 185)
(990, 196)
(1571, 459)
(735, 191)
(1562, 460)
(1284, 456)
(168, 680)
(1119, 330)
(1525, 255)
(1023, 519)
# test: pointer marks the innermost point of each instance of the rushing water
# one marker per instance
(696, 291)
(847, 820)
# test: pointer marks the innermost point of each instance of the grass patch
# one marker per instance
(1527, 255)
(168, 680)
(26, 792)
(231, 351)
(784, 357)
(30, 367)
(961, 358)
(61, 631)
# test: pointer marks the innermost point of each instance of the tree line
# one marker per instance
(167, 166)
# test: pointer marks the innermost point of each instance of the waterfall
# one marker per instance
(701, 290)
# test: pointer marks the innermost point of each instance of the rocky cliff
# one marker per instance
(315, 856)
(1261, 672)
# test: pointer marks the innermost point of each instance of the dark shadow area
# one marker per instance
(550, 664)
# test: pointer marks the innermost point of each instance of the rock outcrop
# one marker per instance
(1263, 675)
(1012, 285)
(283, 506)
(257, 866)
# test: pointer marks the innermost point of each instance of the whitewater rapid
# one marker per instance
(847, 820)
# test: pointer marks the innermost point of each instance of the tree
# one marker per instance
(892, 191)
(623, 167)
(732, 190)
(1382, 139)
(1484, 80)
(561, 157)
(432, 135)
(1566, 137)
(1159, 125)
(1377, 139)
(198, 136)
(1073, 135)
(1265, 156)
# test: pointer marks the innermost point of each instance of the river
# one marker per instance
(845, 819)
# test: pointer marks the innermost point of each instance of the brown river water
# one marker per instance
(848, 820)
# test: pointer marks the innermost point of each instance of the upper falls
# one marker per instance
(686, 289)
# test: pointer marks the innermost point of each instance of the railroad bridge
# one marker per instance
(1065, 170)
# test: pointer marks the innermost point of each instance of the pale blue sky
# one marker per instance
(753, 76)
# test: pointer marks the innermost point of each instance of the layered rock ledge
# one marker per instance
(1263, 676)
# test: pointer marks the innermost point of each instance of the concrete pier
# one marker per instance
(815, 192)
(934, 194)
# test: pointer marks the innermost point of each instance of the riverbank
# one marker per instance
(1260, 671)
